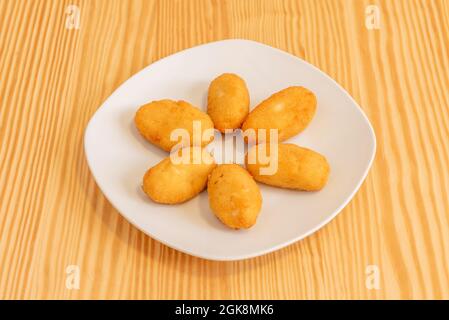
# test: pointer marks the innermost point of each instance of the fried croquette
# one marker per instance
(172, 182)
(234, 196)
(228, 101)
(158, 119)
(298, 168)
(289, 111)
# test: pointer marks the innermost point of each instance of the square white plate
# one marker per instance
(118, 156)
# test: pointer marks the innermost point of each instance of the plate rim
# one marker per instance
(259, 252)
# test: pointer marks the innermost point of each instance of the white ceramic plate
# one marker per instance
(118, 156)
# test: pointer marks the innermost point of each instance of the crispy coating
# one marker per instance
(228, 101)
(156, 120)
(298, 168)
(169, 182)
(289, 111)
(234, 196)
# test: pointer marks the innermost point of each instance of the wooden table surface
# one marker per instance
(391, 241)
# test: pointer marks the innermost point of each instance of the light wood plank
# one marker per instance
(53, 215)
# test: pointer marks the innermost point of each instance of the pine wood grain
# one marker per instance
(52, 214)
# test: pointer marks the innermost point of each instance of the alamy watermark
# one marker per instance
(266, 155)
(372, 280)
(372, 17)
(72, 280)
(73, 19)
